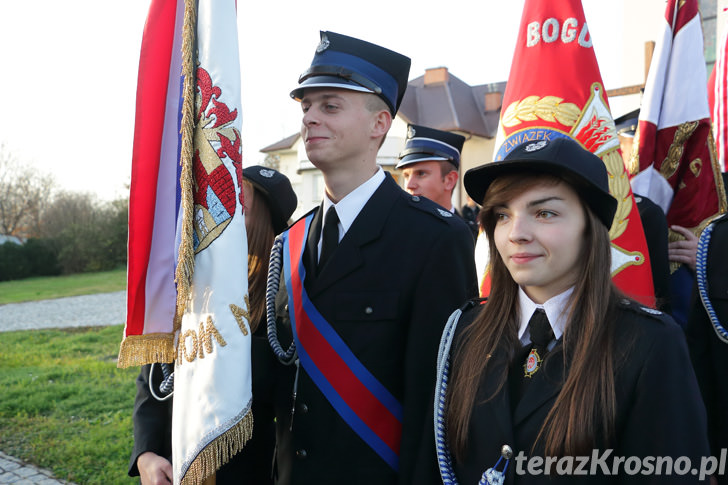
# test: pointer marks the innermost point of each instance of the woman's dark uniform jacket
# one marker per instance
(400, 270)
(659, 409)
(709, 354)
(153, 423)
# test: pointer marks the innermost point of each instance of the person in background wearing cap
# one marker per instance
(557, 362)
(371, 276)
(269, 201)
(430, 162)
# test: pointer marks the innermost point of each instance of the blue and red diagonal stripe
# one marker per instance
(356, 395)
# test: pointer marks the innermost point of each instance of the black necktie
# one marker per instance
(526, 364)
(541, 332)
(541, 335)
(330, 238)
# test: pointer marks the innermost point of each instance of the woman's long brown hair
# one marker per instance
(260, 240)
(584, 412)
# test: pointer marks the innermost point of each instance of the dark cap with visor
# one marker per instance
(345, 62)
(562, 157)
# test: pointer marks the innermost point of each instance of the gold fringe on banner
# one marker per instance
(219, 452)
(186, 259)
(146, 349)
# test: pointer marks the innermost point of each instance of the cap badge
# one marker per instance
(411, 132)
(323, 45)
(267, 173)
(532, 363)
(532, 147)
(444, 213)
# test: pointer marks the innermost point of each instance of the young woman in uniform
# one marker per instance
(559, 375)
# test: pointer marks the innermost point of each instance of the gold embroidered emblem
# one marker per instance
(695, 167)
(548, 108)
(672, 161)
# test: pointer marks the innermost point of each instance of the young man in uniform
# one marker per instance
(371, 277)
(430, 161)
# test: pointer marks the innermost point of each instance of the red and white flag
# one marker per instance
(674, 157)
(187, 276)
(555, 90)
(154, 192)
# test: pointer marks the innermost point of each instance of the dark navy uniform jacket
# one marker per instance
(659, 408)
(399, 271)
(710, 354)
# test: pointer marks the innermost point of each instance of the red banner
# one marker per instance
(555, 90)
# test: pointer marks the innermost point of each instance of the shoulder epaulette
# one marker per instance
(638, 308)
(426, 205)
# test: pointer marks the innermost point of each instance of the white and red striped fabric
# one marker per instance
(154, 191)
(678, 169)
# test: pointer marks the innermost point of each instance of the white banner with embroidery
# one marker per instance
(212, 397)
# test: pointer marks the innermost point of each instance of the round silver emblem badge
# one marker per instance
(532, 147)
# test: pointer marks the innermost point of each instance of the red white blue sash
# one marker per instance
(357, 396)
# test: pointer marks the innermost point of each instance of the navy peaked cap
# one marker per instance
(344, 62)
(426, 144)
(277, 190)
(563, 157)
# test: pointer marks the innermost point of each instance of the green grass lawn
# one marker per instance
(65, 405)
(32, 289)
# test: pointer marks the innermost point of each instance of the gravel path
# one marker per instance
(75, 311)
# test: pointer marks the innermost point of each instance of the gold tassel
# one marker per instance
(186, 261)
(146, 349)
(219, 452)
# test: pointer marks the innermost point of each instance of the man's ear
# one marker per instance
(451, 179)
(382, 123)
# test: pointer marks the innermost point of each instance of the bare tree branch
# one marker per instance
(24, 193)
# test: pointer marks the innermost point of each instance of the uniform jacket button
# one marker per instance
(303, 408)
(416, 198)
(301, 454)
(369, 310)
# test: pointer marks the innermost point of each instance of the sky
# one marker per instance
(69, 70)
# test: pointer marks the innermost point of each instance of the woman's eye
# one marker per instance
(546, 214)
